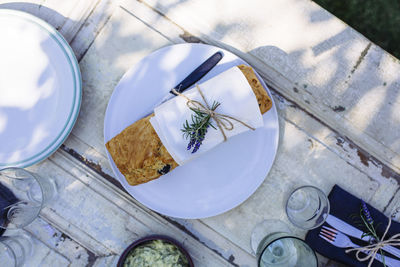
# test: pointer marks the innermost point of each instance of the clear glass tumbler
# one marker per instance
(22, 195)
(307, 207)
(14, 250)
(274, 246)
(282, 250)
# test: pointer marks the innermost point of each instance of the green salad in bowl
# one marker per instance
(160, 251)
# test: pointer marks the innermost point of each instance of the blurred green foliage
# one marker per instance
(378, 20)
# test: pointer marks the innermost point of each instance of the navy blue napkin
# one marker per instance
(7, 198)
(343, 206)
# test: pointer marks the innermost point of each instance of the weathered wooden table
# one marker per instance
(338, 99)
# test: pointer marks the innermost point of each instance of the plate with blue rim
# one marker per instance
(208, 185)
(40, 89)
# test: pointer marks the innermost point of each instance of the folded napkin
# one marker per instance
(343, 206)
(7, 198)
(237, 99)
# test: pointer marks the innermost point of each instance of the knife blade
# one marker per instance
(346, 228)
(350, 230)
(193, 77)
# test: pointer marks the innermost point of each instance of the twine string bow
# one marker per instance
(372, 250)
(224, 122)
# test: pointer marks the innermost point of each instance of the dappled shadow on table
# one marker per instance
(301, 157)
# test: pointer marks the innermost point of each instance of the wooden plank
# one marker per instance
(41, 255)
(109, 217)
(78, 21)
(310, 57)
(60, 243)
(96, 20)
(394, 208)
(75, 14)
(106, 261)
(386, 180)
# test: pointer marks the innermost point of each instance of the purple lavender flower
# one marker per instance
(366, 212)
(191, 143)
(196, 140)
(200, 136)
(197, 129)
(196, 146)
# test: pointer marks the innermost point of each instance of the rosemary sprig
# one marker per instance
(197, 129)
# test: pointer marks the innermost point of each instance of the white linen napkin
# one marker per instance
(237, 99)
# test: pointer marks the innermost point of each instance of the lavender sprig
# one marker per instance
(197, 129)
(371, 228)
(366, 212)
(367, 221)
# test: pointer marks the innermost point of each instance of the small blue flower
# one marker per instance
(196, 146)
(201, 138)
(366, 212)
(191, 143)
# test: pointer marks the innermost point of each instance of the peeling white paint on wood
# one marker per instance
(394, 208)
(386, 181)
(41, 254)
(110, 217)
(296, 45)
(54, 239)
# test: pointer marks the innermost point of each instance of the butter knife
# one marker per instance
(194, 76)
(350, 230)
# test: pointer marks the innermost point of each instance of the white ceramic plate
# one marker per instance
(40, 89)
(213, 183)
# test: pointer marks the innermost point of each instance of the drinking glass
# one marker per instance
(22, 195)
(266, 228)
(14, 250)
(307, 207)
(282, 250)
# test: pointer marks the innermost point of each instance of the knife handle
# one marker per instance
(392, 250)
(199, 72)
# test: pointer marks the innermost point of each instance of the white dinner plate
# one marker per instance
(40, 89)
(211, 184)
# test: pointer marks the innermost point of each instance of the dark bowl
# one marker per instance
(151, 238)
